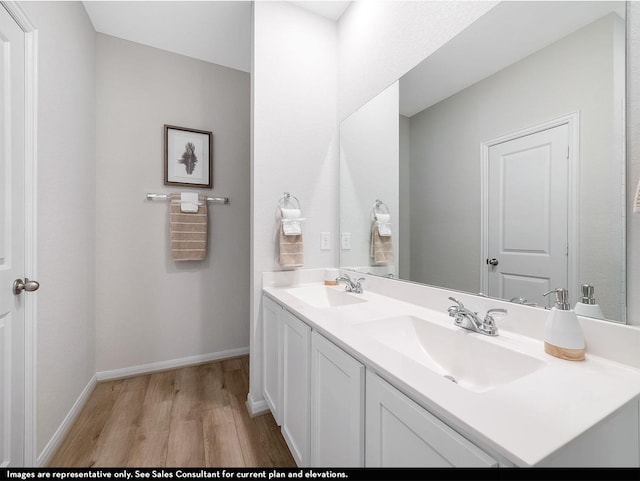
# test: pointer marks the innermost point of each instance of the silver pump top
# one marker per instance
(587, 294)
(562, 298)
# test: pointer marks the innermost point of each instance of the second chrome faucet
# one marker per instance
(354, 286)
(467, 319)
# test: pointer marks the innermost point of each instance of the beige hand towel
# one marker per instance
(291, 250)
(381, 249)
(188, 230)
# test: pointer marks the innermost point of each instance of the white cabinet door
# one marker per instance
(400, 433)
(272, 353)
(296, 345)
(337, 406)
(12, 240)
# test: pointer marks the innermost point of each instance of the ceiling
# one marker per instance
(214, 31)
(507, 33)
(332, 10)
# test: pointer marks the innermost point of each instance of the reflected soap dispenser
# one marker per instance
(563, 337)
(587, 306)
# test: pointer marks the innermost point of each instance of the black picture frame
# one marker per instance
(188, 157)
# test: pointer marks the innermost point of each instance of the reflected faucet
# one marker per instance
(354, 286)
(521, 300)
(469, 320)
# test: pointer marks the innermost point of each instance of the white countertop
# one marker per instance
(525, 420)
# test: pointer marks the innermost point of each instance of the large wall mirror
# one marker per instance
(497, 165)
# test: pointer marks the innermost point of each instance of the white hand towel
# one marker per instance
(290, 223)
(636, 200)
(189, 202)
(383, 224)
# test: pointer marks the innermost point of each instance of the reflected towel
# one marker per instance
(188, 230)
(291, 250)
(291, 221)
(636, 200)
(383, 221)
(381, 247)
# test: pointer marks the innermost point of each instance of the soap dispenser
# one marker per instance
(587, 306)
(563, 336)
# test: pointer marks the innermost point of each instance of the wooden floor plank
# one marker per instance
(161, 387)
(116, 439)
(221, 442)
(149, 445)
(193, 416)
(186, 437)
(260, 446)
(78, 448)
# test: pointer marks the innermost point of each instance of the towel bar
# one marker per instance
(214, 200)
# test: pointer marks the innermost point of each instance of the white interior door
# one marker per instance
(528, 211)
(12, 240)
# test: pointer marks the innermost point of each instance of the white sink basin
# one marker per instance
(324, 296)
(459, 355)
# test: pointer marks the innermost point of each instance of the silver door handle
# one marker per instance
(493, 262)
(19, 285)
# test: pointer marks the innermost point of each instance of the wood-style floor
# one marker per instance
(194, 416)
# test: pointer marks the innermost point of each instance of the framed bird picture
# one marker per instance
(188, 157)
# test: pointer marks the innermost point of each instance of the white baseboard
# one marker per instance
(256, 408)
(54, 443)
(170, 364)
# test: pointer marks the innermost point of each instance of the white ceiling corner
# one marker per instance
(214, 31)
(330, 9)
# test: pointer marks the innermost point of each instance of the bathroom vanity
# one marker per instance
(385, 378)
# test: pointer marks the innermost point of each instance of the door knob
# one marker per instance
(493, 262)
(19, 285)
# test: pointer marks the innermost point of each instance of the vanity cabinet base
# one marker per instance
(400, 433)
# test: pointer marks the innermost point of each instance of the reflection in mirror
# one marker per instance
(505, 173)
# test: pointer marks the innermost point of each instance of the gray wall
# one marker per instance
(150, 309)
(66, 210)
(445, 170)
(404, 254)
(633, 160)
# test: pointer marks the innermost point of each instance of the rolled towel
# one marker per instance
(384, 224)
(290, 221)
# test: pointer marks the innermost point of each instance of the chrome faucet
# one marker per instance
(467, 319)
(354, 286)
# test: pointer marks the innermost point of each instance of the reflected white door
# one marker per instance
(12, 226)
(527, 222)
